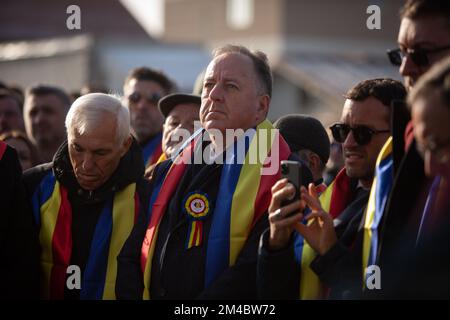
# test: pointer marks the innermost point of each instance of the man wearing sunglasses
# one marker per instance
(424, 40)
(363, 129)
(428, 261)
(143, 88)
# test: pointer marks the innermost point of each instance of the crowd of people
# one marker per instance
(167, 195)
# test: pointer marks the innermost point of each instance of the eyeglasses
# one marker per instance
(418, 56)
(153, 98)
(362, 134)
(438, 150)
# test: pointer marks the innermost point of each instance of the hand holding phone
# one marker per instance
(291, 170)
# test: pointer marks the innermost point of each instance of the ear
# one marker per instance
(126, 146)
(263, 107)
(314, 162)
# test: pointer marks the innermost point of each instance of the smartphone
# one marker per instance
(291, 170)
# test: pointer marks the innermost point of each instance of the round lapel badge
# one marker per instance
(197, 205)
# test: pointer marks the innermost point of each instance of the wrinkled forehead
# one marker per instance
(370, 112)
(429, 31)
(230, 65)
(46, 100)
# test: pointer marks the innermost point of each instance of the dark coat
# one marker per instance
(404, 208)
(18, 249)
(87, 205)
(177, 272)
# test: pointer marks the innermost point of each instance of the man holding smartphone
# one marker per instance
(327, 234)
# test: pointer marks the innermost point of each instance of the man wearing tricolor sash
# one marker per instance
(209, 203)
(322, 254)
(423, 40)
(87, 200)
(421, 271)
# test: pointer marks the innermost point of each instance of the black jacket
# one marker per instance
(87, 205)
(404, 208)
(18, 249)
(178, 273)
(279, 271)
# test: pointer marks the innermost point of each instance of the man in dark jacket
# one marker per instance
(423, 41)
(207, 216)
(18, 252)
(290, 266)
(86, 201)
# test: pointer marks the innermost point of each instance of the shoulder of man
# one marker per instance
(32, 177)
(9, 163)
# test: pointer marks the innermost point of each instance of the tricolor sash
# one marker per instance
(2, 149)
(244, 195)
(152, 150)
(379, 193)
(429, 205)
(53, 215)
(334, 200)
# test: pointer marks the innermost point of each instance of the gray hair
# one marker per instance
(260, 63)
(87, 112)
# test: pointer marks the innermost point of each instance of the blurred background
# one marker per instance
(317, 49)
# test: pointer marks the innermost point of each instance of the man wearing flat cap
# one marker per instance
(307, 137)
(180, 112)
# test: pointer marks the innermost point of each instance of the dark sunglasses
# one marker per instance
(362, 134)
(418, 56)
(153, 98)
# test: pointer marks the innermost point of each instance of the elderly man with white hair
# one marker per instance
(85, 201)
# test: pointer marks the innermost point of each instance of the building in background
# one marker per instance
(36, 46)
(317, 49)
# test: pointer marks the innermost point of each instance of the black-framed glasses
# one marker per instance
(361, 133)
(418, 56)
(153, 98)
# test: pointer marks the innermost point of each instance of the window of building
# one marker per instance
(240, 13)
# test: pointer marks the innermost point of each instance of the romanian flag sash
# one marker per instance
(334, 200)
(53, 215)
(244, 195)
(152, 150)
(2, 149)
(379, 194)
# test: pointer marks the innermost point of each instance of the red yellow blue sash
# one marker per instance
(334, 200)
(152, 150)
(2, 149)
(244, 195)
(379, 194)
(53, 214)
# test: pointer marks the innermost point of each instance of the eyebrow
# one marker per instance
(95, 150)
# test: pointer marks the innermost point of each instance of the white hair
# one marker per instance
(88, 111)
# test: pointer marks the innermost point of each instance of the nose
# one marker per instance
(431, 165)
(88, 162)
(216, 93)
(141, 104)
(349, 141)
(37, 118)
(408, 67)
